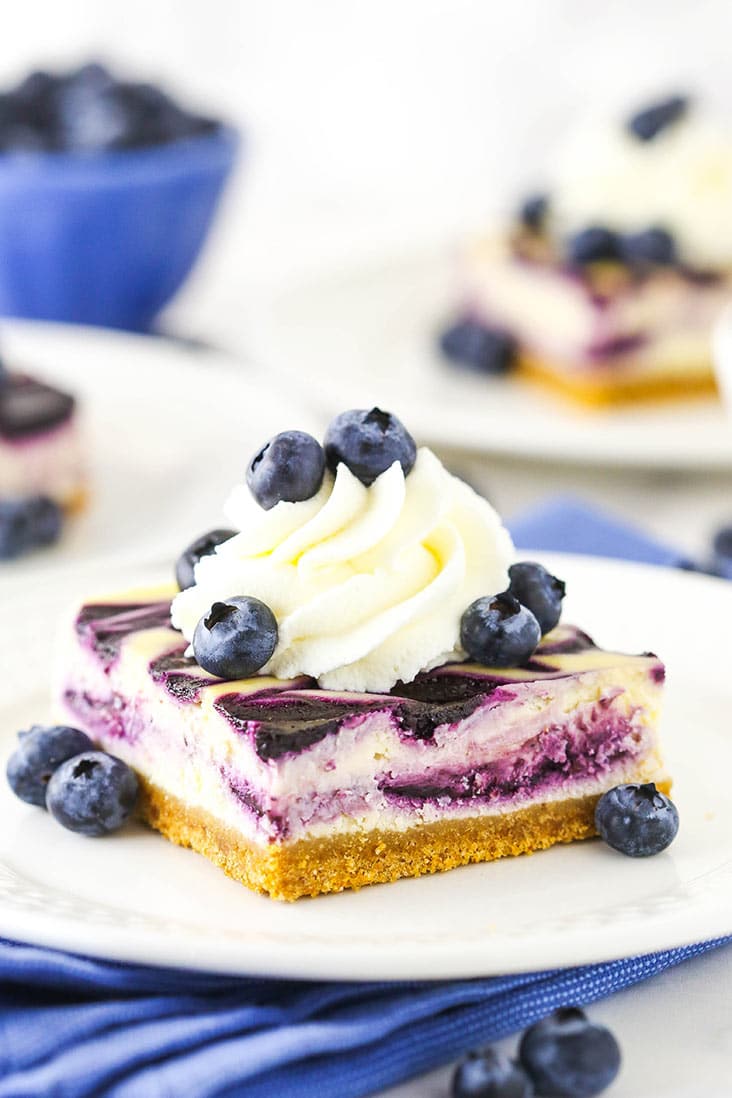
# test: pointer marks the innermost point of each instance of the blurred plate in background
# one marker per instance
(368, 337)
(169, 431)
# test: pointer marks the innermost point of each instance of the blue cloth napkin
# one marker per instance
(72, 1027)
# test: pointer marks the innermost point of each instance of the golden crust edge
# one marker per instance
(311, 867)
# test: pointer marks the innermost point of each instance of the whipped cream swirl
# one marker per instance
(680, 180)
(368, 585)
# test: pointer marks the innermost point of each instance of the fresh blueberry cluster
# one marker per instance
(28, 523)
(238, 636)
(562, 1056)
(89, 110)
(85, 790)
(637, 820)
(504, 630)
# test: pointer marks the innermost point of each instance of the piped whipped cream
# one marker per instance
(368, 585)
(680, 180)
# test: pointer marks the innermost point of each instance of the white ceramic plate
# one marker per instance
(169, 431)
(135, 897)
(364, 338)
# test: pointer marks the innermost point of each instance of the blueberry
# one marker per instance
(533, 212)
(592, 245)
(637, 820)
(471, 343)
(235, 638)
(28, 524)
(651, 246)
(201, 547)
(539, 591)
(93, 793)
(722, 552)
(486, 1073)
(567, 1056)
(499, 632)
(40, 752)
(289, 467)
(650, 121)
(369, 442)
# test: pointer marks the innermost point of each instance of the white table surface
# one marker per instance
(675, 1032)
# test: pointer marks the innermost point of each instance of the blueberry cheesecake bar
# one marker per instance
(41, 461)
(607, 285)
(356, 682)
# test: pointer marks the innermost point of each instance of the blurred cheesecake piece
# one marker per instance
(608, 285)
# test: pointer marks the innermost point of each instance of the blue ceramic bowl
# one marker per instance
(107, 238)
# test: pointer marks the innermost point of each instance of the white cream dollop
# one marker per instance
(368, 585)
(680, 180)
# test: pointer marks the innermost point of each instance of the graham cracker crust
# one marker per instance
(310, 867)
(606, 390)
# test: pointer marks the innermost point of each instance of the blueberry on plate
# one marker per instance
(93, 793)
(651, 247)
(28, 523)
(201, 547)
(38, 755)
(235, 638)
(533, 212)
(471, 343)
(368, 442)
(498, 631)
(567, 1056)
(593, 245)
(637, 820)
(539, 591)
(289, 467)
(486, 1073)
(649, 122)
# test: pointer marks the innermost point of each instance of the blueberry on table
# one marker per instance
(203, 546)
(471, 343)
(28, 523)
(290, 467)
(37, 757)
(652, 247)
(497, 631)
(539, 591)
(649, 122)
(235, 638)
(533, 212)
(486, 1073)
(637, 820)
(93, 793)
(592, 245)
(368, 442)
(567, 1056)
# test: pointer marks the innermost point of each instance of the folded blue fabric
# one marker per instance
(72, 1027)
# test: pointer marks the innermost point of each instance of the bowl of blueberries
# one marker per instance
(107, 191)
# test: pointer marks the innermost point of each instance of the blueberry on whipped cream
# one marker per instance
(539, 591)
(533, 212)
(368, 443)
(289, 467)
(593, 245)
(637, 820)
(236, 638)
(201, 547)
(498, 631)
(655, 246)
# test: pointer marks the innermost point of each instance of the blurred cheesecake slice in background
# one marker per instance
(608, 285)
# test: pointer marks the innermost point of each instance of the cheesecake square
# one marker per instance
(297, 791)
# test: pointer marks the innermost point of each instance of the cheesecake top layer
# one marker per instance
(285, 717)
(29, 406)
